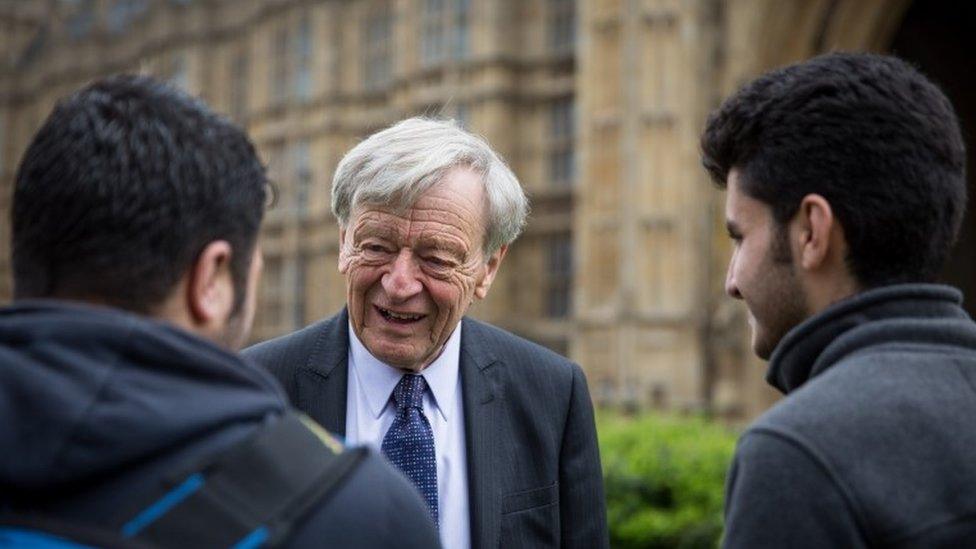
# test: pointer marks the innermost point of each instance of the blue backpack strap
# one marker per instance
(252, 494)
(42, 532)
(24, 538)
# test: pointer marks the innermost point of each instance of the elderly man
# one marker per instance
(497, 433)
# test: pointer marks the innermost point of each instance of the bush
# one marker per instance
(664, 476)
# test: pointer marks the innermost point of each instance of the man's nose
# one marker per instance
(731, 285)
(402, 281)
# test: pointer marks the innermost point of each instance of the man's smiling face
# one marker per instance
(761, 270)
(411, 275)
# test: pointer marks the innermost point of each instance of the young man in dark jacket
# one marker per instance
(135, 219)
(846, 190)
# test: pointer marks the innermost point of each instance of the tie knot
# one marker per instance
(409, 392)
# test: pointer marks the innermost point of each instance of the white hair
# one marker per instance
(395, 166)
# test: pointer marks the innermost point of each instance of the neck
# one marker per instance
(823, 291)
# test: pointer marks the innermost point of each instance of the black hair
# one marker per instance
(873, 136)
(121, 189)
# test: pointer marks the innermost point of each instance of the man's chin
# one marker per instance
(405, 365)
(761, 346)
(395, 356)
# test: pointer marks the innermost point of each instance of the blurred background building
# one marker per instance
(596, 104)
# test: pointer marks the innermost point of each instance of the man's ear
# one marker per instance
(816, 233)
(491, 269)
(343, 251)
(210, 287)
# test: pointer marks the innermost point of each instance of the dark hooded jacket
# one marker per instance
(875, 443)
(99, 406)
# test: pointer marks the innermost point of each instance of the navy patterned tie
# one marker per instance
(409, 444)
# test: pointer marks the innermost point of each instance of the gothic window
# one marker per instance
(298, 291)
(377, 65)
(178, 71)
(462, 114)
(562, 25)
(81, 17)
(279, 66)
(446, 31)
(303, 177)
(239, 74)
(303, 58)
(562, 169)
(122, 12)
(559, 263)
(272, 291)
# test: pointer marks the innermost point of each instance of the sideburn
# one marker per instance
(779, 248)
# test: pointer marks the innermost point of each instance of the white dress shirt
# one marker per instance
(370, 413)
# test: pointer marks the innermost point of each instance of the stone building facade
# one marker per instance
(596, 104)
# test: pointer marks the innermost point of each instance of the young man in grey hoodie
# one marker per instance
(845, 192)
(135, 221)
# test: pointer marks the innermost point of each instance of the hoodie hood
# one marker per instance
(86, 390)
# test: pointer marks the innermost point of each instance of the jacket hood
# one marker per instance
(86, 390)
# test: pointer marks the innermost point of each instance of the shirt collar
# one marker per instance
(378, 379)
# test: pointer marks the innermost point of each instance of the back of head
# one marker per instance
(396, 165)
(869, 133)
(122, 187)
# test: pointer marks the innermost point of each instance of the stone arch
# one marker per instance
(936, 36)
(762, 34)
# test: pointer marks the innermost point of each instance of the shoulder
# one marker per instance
(869, 390)
(493, 341)
(881, 401)
(294, 348)
(531, 374)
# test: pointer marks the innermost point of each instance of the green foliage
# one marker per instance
(664, 477)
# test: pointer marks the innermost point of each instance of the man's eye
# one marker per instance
(437, 262)
(375, 248)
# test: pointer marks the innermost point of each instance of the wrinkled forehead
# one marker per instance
(460, 190)
(398, 203)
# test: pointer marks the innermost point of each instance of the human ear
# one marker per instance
(210, 288)
(491, 269)
(343, 251)
(816, 225)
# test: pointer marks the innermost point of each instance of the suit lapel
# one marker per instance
(323, 379)
(481, 391)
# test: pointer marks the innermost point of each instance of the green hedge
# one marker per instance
(664, 477)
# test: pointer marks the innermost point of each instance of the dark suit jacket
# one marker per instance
(534, 475)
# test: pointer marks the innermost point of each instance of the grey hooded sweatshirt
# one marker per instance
(875, 442)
